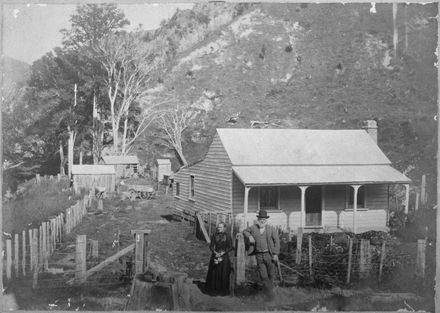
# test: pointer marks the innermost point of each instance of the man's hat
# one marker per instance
(262, 214)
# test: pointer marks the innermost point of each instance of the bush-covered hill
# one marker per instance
(311, 66)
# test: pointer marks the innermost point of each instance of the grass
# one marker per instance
(35, 202)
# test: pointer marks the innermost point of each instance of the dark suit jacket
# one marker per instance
(273, 240)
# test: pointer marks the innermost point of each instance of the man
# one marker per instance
(267, 247)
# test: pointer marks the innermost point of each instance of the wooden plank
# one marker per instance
(364, 258)
(382, 260)
(40, 246)
(423, 190)
(23, 254)
(8, 259)
(16, 256)
(202, 227)
(421, 258)
(310, 257)
(416, 205)
(94, 248)
(31, 250)
(80, 259)
(240, 260)
(350, 256)
(35, 267)
(299, 239)
(209, 224)
(140, 253)
(44, 247)
(106, 262)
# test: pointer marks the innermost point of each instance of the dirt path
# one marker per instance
(172, 246)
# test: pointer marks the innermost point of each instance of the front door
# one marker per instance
(314, 206)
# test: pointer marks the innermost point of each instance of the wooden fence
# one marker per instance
(28, 252)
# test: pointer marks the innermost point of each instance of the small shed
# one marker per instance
(91, 176)
(125, 165)
(163, 168)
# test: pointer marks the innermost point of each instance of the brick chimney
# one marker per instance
(370, 127)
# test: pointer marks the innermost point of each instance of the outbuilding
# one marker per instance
(163, 169)
(91, 176)
(317, 180)
(125, 165)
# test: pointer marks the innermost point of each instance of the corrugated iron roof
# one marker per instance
(120, 159)
(318, 175)
(300, 147)
(93, 169)
(163, 161)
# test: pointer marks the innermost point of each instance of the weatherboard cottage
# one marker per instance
(319, 180)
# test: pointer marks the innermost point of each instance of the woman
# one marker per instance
(217, 280)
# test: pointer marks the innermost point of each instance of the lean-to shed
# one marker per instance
(125, 165)
(91, 176)
(319, 180)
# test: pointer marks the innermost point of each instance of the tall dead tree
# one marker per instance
(173, 122)
(131, 64)
(395, 30)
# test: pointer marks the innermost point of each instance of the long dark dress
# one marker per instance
(217, 280)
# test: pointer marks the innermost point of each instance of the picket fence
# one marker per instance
(28, 252)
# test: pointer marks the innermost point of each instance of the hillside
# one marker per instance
(311, 66)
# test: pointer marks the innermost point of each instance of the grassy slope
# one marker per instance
(332, 76)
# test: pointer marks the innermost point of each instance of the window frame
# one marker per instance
(177, 188)
(192, 187)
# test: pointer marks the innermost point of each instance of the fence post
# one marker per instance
(94, 245)
(416, 206)
(36, 263)
(240, 260)
(299, 239)
(44, 246)
(38, 178)
(80, 259)
(23, 248)
(423, 190)
(364, 260)
(310, 257)
(40, 246)
(16, 256)
(382, 260)
(141, 250)
(350, 255)
(421, 258)
(31, 250)
(8, 259)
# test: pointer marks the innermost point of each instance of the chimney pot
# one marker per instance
(370, 127)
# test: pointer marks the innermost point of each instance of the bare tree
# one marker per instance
(131, 64)
(173, 122)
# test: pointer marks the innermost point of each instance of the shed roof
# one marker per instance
(93, 169)
(120, 159)
(163, 161)
(300, 147)
(318, 175)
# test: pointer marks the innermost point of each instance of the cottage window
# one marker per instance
(191, 186)
(177, 189)
(269, 198)
(135, 169)
(361, 203)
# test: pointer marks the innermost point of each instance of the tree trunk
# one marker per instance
(180, 156)
(62, 162)
(124, 137)
(70, 152)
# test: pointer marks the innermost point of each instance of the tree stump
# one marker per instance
(159, 291)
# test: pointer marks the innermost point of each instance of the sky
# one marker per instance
(32, 30)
